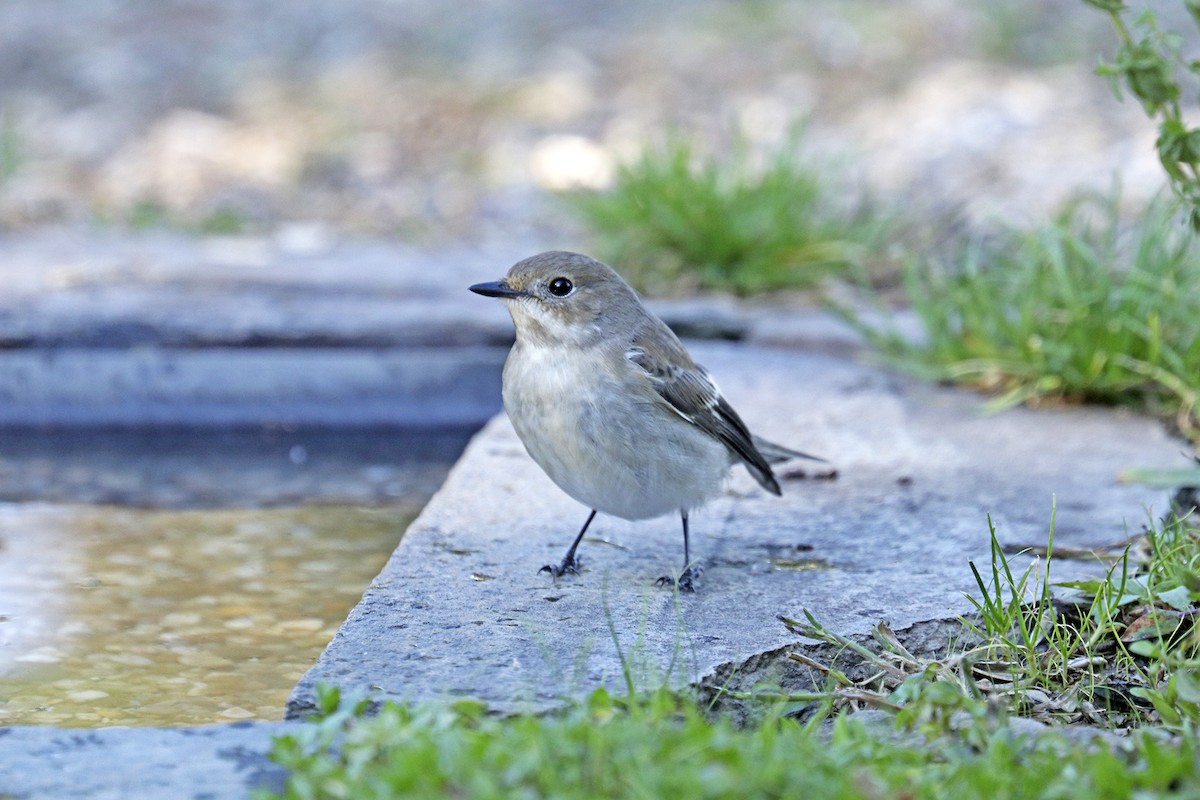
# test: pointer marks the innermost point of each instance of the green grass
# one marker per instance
(147, 214)
(1118, 651)
(661, 746)
(678, 218)
(12, 147)
(223, 221)
(1079, 309)
(950, 734)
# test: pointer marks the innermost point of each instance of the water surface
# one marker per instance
(112, 616)
(172, 577)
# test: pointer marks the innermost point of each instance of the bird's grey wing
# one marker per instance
(690, 392)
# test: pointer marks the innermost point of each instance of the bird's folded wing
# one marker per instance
(690, 392)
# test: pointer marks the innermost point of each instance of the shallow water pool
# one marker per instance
(113, 616)
(133, 615)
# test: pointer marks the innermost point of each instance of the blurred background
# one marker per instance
(236, 350)
(403, 118)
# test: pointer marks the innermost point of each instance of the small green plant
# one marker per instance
(1119, 650)
(12, 147)
(147, 214)
(677, 217)
(1078, 309)
(1149, 622)
(223, 221)
(1151, 66)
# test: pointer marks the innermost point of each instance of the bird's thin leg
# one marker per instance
(689, 578)
(570, 564)
(687, 558)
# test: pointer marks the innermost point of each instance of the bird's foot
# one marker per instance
(689, 581)
(569, 566)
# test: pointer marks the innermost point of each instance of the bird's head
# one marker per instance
(564, 298)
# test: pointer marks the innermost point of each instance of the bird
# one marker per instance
(609, 403)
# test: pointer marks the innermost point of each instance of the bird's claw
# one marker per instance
(689, 581)
(569, 566)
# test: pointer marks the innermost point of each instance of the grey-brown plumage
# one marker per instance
(690, 392)
(610, 404)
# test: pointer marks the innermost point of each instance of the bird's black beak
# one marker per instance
(496, 289)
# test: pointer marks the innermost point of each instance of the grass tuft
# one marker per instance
(677, 218)
(12, 147)
(1078, 309)
(1119, 651)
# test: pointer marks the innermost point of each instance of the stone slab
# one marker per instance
(229, 386)
(460, 608)
(212, 762)
(103, 288)
(116, 291)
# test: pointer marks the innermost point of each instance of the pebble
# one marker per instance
(236, 712)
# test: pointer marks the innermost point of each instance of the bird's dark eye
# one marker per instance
(561, 287)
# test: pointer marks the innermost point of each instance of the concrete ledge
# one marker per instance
(423, 388)
(460, 609)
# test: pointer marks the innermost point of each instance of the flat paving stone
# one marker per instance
(213, 762)
(83, 288)
(108, 290)
(234, 386)
(460, 609)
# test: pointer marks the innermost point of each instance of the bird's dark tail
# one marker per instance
(777, 453)
(772, 453)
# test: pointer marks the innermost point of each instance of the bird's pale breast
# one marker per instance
(596, 427)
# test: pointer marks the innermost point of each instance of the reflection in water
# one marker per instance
(113, 616)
